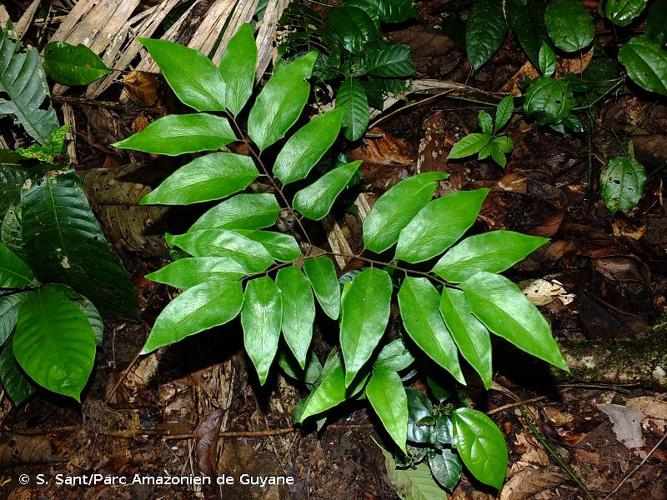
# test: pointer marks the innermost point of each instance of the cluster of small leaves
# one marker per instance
(488, 143)
(352, 50)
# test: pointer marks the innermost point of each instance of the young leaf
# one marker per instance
(394, 356)
(548, 101)
(282, 247)
(622, 183)
(505, 310)
(419, 303)
(364, 317)
(445, 467)
(14, 273)
(526, 19)
(469, 145)
(237, 68)
(354, 27)
(497, 155)
(547, 60)
(15, 382)
(9, 314)
(329, 392)
(485, 122)
(73, 64)
(199, 308)
(174, 135)
(471, 337)
(438, 225)
(190, 271)
(306, 147)
(351, 97)
(493, 252)
(623, 12)
(243, 211)
(281, 101)
(396, 208)
(504, 112)
(481, 446)
(298, 311)
(193, 77)
(206, 178)
(389, 61)
(387, 396)
(315, 201)
(503, 143)
(53, 342)
(646, 63)
(485, 31)
(569, 24)
(261, 318)
(322, 276)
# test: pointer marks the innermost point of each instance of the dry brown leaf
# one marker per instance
(650, 407)
(206, 445)
(383, 149)
(529, 483)
(142, 87)
(26, 450)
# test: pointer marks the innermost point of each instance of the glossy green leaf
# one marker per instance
(9, 314)
(54, 342)
(548, 101)
(646, 64)
(623, 12)
(503, 143)
(469, 145)
(298, 311)
(14, 273)
(414, 483)
(308, 375)
(364, 317)
(354, 27)
(15, 382)
(64, 242)
(330, 390)
(206, 178)
(251, 254)
(281, 101)
(481, 446)
(389, 61)
(387, 396)
(420, 410)
(306, 147)
(569, 24)
(547, 60)
(237, 68)
(445, 467)
(656, 27)
(505, 310)
(87, 308)
(11, 180)
(193, 77)
(527, 21)
(190, 271)
(486, 28)
(573, 123)
(282, 247)
(261, 318)
(439, 225)
(493, 252)
(73, 64)
(199, 308)
(471, 337)
(394, 356)
(243, 211)
(322, 276)
(622, 183)
(485, 122)
(351, 97)
(504, 112)
(419, 303)
(174, 135)
(396, 11)
(396, 208)
(315, 201)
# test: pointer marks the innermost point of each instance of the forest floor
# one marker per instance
(195, 407)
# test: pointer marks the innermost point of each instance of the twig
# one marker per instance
(122, 377)
(514, 405)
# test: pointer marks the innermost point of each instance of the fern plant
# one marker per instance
(237, 265)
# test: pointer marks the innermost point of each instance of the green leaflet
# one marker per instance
(623, 12)
(394, 356)
(646, 63)
(15, 382)
(354, 27)
(322, 276)
(206, 178)
(9, 313)
(548, 101)
(281, 101)
(485, 122)
(527, 22)
(251, 254)
(419, 303)
(193, 77)
(469, 145)
(174, 135)
(243, 211)
(14, 273)
(73, 64)
(471, 337)
(547, 60)
(316, 200)
(306, 147)
(364, 317)
(569, 24)
(351, 97)
(505, 310)
(485, 31)
(282, 247)
(622, 183)
(199, 308)
(261, 318)
(445, 467)
(387, 396)
(330, 390)
(190, 271)
(237, 68)
(438, 225)
(389, 61)
(493, 252)
(298, 311)
(54, 342)
(396, 208)
(504, 112)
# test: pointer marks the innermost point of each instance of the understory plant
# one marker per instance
(236, 263)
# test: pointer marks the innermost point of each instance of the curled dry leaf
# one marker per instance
(26, 450)
(206, 447)
(530, 482)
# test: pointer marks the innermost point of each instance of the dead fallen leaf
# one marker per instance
(206, 445)
(141, 87)
(530, 482)
(542, 292)
(383, 149)
(627, 424)
(26, 450)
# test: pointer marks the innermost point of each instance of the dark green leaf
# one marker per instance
(504, 112)
(309, 375)
(282, 247)
(547, 60)
(243, 211)
(469, 145)
(322, 276)
(174, 135)
(503, 143)
(646, 64)
(485, 122)
(11, 180)
(394, 356)
(188, 272)
(330, 390)
(569, 24)
(656, 27)
(485, 31)
(396, 11)
(298, 311)
(573, 123)
(354, 27)
(386, 395)
(623, 12)
(419, 409)
(446, 468)
(15, 382)
(87, 308)
(14, 273)
(9, 313)
(237, 68)
(73, 64)
(193, 77)
(389, 61)
(351, 96)
(505, 310)
(548, 101)
(497, 155)
(622, 183)
(527, 22)
(438, 391)
(419, 303)
(199, 308)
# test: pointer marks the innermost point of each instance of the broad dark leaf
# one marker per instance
(485, 31)
(622, 183)
(73, 64)
(646, 63)
(351, 97)
(527, 22)
(569, 24)
(15, 382)
(354, 27)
